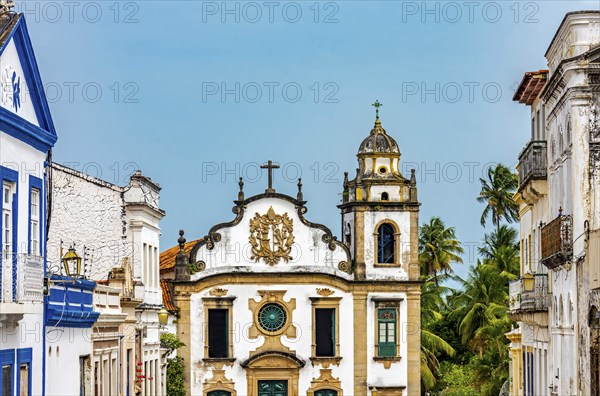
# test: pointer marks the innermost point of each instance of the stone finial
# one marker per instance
(413, 177)
(241, 193)
(345, 180)
(181, 240)
(6, 5)
(300, 196)
(182, 260)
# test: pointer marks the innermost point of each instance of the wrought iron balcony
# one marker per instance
(529, 294)
(532, 163)
(557, 242)
(26, 285)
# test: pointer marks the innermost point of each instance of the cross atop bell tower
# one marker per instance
(377, 105)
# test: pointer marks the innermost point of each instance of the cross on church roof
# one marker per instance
(270, 166)
(377, 105)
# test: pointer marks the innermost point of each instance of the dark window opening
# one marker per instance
(7, 380)
(217, 333)
(325, 331)
(385, 244)
(384, 196)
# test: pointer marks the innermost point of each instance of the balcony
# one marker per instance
(557, 242)
(21, 292)
(532, 163)
(528, 295)
(27, 285)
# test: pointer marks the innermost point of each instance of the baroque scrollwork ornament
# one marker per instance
(271, 237)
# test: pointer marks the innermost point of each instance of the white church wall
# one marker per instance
(371, 221)
(234, 249)
(301, 345)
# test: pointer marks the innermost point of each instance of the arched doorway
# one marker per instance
(273, 373)
(326, 392)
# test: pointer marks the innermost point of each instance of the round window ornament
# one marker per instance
(382, 170)
(271, 317)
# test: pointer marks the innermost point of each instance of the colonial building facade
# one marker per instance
(556, 348)
(272, 304)
(27, 136)
(116, 231)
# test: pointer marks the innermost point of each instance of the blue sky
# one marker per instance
(140, 85)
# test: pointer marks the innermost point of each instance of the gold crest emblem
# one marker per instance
(271, 237)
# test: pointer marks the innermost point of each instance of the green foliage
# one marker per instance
(170, 341)
(438, 248)
(175, 377)
(193, 268)
(175, 370)
(497, 193)
(464, 350)
(455, 380)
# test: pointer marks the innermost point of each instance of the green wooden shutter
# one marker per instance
(386, 332)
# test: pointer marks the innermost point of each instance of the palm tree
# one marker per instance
(501, 236)
(484, 301)
(431, 345)
(432, 303)
(497, 193)
(501, 250)
(438, 248)
(507, 261)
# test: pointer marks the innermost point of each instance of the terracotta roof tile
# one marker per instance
(167, 296)
(530, 87)
(167, 258)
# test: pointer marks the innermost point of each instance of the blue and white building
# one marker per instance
(27, 136)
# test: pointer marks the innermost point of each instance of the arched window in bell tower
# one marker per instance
(385, 196)
(385, 244)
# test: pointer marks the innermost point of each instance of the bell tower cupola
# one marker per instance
(380, 210)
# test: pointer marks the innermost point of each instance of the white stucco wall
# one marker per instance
(26, 160)
(87, 213)
(371, 221)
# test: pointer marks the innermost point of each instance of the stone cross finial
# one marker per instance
(377, 105)
(270, 166)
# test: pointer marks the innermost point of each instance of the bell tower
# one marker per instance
(380, 211)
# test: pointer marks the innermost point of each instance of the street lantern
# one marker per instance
(528, 282)
(72, 263)
(163, 316)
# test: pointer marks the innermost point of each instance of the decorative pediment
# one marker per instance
(273, 359)
(24, 111)
(270, 234)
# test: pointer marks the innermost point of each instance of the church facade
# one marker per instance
(272, 304)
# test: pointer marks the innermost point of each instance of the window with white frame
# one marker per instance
(7, 216)
(34, 222)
